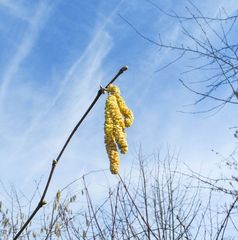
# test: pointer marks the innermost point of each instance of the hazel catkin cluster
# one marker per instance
(117, 117)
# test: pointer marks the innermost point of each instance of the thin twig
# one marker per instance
(42, 202)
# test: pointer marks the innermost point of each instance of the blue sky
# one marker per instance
(54, 56)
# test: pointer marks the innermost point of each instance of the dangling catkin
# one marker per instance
(109, 137)
(117, 117)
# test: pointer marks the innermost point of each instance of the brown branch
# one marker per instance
(224, 223)
(42, 202)
(206, 95)
(137, 209)
(217, 53)
(187, 18)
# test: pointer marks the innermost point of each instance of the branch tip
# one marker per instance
(123, 69)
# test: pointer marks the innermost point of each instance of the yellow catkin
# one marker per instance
(118, 125)
(109, 138)
(117, 117)
(125, 111)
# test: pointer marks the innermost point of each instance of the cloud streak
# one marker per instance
(76, 89)
(83, 71)
(24, 48)
(15, 10)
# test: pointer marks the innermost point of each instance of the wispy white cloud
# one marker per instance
(83, 72)
(15, 9)
(78, 92)
(24, 48)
